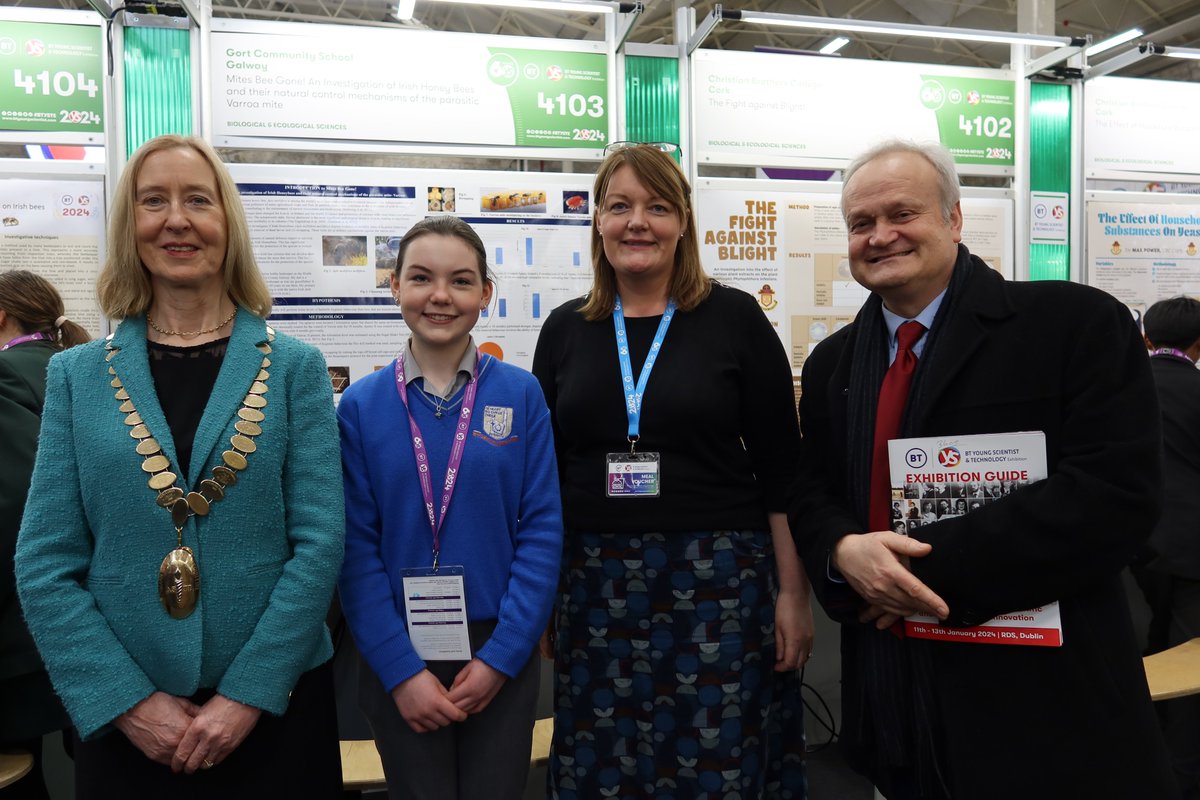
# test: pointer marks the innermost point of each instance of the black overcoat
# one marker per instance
(1016, 721)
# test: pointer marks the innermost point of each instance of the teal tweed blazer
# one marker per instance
(92, 537)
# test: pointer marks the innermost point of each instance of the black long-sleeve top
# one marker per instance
(721, 379)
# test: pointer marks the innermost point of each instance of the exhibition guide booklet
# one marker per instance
(937, 477)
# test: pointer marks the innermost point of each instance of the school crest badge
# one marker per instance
(497, 422)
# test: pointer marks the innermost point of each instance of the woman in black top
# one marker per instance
(684, 610)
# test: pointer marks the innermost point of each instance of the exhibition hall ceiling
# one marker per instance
(1164, 22)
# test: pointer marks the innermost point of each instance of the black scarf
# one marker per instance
(899, 718)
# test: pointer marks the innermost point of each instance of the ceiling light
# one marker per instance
(405, 9)
(834, 45)
(577, 6)
(894, 29)
(1113, 41)
(1182, 52)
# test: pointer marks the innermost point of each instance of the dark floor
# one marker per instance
(828, 777)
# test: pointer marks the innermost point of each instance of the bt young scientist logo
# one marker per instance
(949, 457)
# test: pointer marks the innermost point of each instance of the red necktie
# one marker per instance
(893, 396)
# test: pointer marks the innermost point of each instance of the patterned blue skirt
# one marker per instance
(664, 683)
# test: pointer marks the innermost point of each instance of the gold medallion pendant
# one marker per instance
(179, 582)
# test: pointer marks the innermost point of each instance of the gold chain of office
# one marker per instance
(178, 575)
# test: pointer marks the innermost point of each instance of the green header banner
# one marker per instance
(975, 117)
(51, 77)
(325, 82)
(559, 99)
(769, 109)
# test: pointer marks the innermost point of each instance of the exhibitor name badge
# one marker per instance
(633, 475)
(942, 478)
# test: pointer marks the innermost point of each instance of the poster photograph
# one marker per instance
(327, 238)
(785, 243)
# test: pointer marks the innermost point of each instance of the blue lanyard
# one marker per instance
(633, 394)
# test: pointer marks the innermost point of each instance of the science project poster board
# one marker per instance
(785, 243)
(1141, 125)
(1142, 252)
(326, 238)
(56, 229)
(355, 83)
(767, 109)
(51, 78)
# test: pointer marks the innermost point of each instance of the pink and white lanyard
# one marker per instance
(29, 337)
(456, 452)
(1172, 351)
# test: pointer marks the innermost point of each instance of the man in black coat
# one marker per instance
(1170, 570)
(930, 719)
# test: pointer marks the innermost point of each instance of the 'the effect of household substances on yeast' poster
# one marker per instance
(1144, 252)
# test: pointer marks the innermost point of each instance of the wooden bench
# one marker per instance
(362, 769)
(539, 754)
(1174, 672)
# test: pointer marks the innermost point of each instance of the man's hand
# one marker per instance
(475, 685)
(157, 724)
(875, 565)
(219, 727)
(425, 704)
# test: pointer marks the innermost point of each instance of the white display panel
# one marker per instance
(771, 109)
(325, 239)
(56, 229)
(786, 243)
(1141, 125)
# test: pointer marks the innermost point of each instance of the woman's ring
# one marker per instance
(207, 764)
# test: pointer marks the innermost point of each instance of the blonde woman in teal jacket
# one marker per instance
(184, 525)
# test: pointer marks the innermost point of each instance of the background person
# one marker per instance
(930, 719)
(33, 327)
(674, 660)
(450, 724)
(1169, 569)
(183, 533)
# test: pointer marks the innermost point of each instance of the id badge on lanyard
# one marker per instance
(435, 612)
(635, 474)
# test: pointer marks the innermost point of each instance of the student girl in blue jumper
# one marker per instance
(453, 534)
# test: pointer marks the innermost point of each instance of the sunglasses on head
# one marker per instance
(670, 148)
